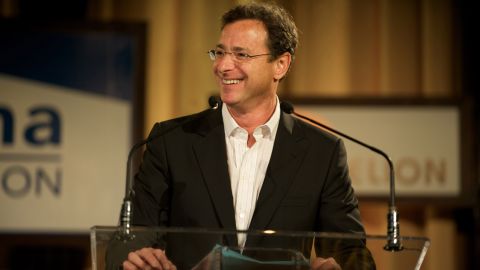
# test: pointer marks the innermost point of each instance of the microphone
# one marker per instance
(127, 207)
(214, 102)
(393, 226)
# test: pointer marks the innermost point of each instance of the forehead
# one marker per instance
(244, 34)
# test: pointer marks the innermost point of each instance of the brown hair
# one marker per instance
(281, 29)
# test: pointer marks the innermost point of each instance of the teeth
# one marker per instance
(231, 81)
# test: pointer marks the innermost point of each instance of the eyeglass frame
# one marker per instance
(238, 56)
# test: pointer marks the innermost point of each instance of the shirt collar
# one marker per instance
(230, 124)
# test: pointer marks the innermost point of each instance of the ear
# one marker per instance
(281, 65)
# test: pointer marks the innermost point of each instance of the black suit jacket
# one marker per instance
(184, 181)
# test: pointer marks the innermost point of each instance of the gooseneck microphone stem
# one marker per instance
(393, 226)
(126, 211)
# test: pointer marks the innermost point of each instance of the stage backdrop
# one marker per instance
(66, 112)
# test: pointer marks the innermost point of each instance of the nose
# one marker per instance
(225, 63)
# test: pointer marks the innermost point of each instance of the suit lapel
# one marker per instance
(288, 151)
(210, 151)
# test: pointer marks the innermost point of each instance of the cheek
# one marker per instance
(264, 72)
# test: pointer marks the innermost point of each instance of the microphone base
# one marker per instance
(124, 233)
(394, 242)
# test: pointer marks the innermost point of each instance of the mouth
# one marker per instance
(230, 82)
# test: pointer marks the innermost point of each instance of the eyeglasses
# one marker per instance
(239, 56)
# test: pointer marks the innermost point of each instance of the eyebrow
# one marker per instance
(235, 49)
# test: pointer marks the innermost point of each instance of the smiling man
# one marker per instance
(246, 165)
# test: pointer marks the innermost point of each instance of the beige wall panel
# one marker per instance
(321, 67)
(437, 48)
(441, 230)
(364, 48)
(400, 45)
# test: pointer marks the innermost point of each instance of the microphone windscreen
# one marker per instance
(286, 107)
(213, 102)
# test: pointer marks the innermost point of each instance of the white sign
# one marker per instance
(62, 157)
(423, 143)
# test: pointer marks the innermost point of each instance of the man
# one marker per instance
(245, 165)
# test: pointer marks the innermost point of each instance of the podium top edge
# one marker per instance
(278, 233)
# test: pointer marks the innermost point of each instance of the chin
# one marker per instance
(228, 102)
(228, 99)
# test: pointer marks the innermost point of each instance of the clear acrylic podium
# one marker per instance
(190, 248)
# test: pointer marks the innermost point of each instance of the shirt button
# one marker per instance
(242, 215)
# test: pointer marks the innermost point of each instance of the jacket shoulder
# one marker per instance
(312, 131)
(187, 123)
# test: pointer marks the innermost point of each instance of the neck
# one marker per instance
(257, 115)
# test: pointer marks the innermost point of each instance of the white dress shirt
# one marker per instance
(247, 166)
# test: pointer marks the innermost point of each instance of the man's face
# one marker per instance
(246, 83)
